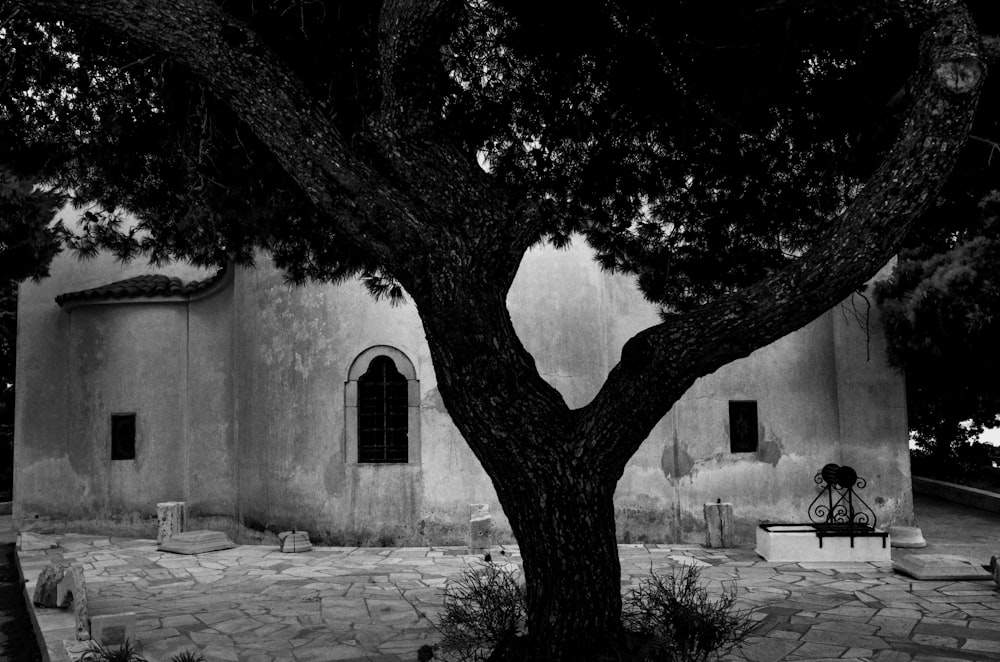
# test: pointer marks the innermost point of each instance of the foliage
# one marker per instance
(483, 607)
(100, 653)
(941, 307)
(693, 215)
(671, 618)
(683, 621)
(188, 656)
(941, 313)
(968, 463)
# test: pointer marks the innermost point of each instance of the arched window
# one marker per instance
(382, 413)
(382, 408)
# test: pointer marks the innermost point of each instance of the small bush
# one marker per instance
(124, 653)
(484, 606)
(680, 621)
(668, 618)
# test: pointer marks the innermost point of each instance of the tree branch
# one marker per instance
(412, 34)
(244, 74)
(662, 362)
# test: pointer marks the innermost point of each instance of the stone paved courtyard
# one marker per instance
(256, 604)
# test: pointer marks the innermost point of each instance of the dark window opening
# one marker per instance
(743, 426)
(123, 436)
(382, 413)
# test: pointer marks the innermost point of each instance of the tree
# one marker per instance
(940, 307)
(27, 246)
(941, 312)
(344, 138)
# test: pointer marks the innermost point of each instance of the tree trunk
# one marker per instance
(566, 531)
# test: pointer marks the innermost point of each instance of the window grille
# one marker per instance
(382, 413)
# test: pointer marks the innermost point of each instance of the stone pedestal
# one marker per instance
(294, 541)
(907, 536)
(171, 516)
(720, 527)
(480, 526)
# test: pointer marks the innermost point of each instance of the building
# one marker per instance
(246, 398)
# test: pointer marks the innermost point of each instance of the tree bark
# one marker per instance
(566, 529)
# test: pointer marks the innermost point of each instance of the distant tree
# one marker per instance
(750, 162)
(28, 242)
(941, 312)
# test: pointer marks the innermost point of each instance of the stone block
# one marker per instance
(46, 589)
(113, 629)
(939, 567)
(720, 527)
(907, 536)
(170, 517)
(480, 526)
(196, 542)
(294, 541)
(72, 584)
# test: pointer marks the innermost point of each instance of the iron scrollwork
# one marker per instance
(838, 507)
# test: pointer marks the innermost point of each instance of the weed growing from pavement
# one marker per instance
(123, 653)
(188, 656)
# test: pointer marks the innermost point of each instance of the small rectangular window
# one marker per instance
(743, 426)
(123, 436)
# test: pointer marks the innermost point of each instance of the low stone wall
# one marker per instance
(968, 496)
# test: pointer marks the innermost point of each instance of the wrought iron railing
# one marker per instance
(838, 507)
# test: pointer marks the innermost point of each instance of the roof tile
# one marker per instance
(146, 286)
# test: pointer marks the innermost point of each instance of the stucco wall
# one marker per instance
(74, 369)
(241, 402)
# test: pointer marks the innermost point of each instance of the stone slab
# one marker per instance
(797, 543)
(196, 542)
(113, 629)
(32, 542)
(939, 567)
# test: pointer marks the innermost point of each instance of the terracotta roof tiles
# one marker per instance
(145, 287)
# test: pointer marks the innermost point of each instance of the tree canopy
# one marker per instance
(657, 133)
(751, 163)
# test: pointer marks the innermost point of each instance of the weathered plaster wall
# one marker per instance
(687, 462)
(210, 453)
(811, 387)
(246, 408)
(873, 424)
(76, 368)
(293, 351)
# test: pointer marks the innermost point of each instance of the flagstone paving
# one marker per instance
(257, 604)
